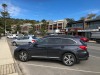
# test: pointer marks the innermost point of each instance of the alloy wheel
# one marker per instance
(23, 56)
(69, 59)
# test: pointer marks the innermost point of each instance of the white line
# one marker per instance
(94, 56)
(62, 68)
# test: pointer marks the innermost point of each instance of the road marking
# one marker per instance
(62, 68)
(94, 56)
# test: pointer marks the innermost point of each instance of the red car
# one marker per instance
(83, 38)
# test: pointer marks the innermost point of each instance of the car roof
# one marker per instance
(64, 36)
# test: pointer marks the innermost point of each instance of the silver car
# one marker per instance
(24, 40)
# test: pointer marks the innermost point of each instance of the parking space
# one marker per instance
(52, 67)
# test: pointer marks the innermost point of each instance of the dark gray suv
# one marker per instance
(69, 50)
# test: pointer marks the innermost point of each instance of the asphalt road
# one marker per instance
(52, 67)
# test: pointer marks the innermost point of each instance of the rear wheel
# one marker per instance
(23, 56)
(69, 59)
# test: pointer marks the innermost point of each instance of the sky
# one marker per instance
(51, 9)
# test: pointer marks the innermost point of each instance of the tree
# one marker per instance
(18, 29)
(44, 27)
(5, 15)
(82, 18)
(91, 16)
(70, 19)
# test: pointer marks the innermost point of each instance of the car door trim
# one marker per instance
(43, 57)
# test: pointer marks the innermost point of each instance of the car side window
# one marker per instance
(26, 37)
(68, 41)
(42, 41)
(54, 41)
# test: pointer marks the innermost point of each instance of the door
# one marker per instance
(19, 40)
(54, 47)
(25, 40)
(39, 48)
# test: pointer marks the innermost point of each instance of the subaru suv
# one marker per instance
(69, 50)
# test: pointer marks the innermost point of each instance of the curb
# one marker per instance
(16, 64)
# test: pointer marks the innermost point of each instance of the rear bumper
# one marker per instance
(83, 55)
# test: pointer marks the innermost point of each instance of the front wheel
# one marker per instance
(23, 56)
(69, 59)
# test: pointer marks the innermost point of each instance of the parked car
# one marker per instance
(68, 50)
(11, 36)
(82, 38)
(24, 40)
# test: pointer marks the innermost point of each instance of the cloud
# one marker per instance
(95, 11)
(12, 9)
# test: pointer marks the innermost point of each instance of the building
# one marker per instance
(26, 27)
(74, 26)
(59, 24)
(52, 26)
(83, 28)
(90, 26)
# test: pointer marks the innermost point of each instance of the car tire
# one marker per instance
(68, 59)
(14, 43)
(23, 56)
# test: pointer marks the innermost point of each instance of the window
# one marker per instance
(26, 37)
(68, 41)
(42, 41)
(54, 40)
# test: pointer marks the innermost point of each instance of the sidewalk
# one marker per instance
(7, 65)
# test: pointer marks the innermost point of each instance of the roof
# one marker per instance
(81, 21)
(62, 35)
(94, 20)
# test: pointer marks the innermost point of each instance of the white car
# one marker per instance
(24, 40)
(11, 36)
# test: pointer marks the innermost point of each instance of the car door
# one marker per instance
(39, 48)
(25, 40)
(54, 47)
(19, 40)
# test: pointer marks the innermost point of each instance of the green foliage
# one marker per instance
(32, 30)
(18, 29)
(70, 19)
(82, 18)
(43, 29)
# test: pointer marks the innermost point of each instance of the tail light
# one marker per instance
(33, 40)
(83, 47)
